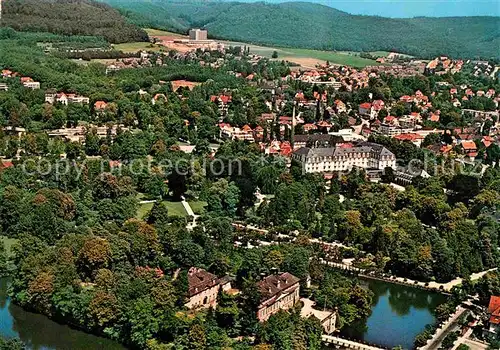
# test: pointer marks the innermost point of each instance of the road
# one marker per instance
(446, 329)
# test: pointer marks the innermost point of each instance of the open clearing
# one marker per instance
(174, 208)
(137, 46)
(310, 58)
(157, 32)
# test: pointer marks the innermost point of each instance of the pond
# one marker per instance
(399, 314)
(39, 332)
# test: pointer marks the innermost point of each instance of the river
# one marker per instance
(39, 332)
(399, 313)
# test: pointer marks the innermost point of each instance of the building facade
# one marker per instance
(279, 292)
(198, 34)
(365, 155)
(203, 288)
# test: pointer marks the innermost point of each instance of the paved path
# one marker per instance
(190, 213)
(347, 343)
(446, 286)
(441, 333)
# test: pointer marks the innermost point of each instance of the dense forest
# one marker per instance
(70, 17)
(305, 25)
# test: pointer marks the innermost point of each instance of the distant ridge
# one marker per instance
(307, 25)
(70, 17)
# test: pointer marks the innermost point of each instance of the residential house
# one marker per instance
(278, 292)
(222, 102)
(63, 98)
(203, 288)
(494, 314)
(469, 148)
(316, 140)
(340, 106)
(6, 73)
(30, 83)
(365, 108)
(378, 105)
(158, 97)
(100, 106)
(233, 133)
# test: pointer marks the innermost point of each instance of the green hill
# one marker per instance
(70, 17)
(306, 25)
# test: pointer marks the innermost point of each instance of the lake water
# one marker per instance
(39, 332)
(399, 313)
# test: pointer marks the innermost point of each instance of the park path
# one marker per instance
(441, 333)
(192, 224)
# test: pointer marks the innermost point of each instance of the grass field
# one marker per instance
(137, 46)
(8, 242)
(174, 208)
(310, 58)
(157, 32)
(198, 206)
(343, 58)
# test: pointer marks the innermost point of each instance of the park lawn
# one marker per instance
(8, 242)
(174, 209)
(137, 46)
(198, 206)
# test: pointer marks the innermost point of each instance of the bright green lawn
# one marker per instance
(198, 206)
(174, 208)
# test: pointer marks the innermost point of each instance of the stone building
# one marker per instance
(278, 292)
(203, 288)
(364, 155)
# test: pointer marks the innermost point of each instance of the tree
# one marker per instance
(3, 258)
(95, 254)
(197, 337)
(275, 54)
(158, 215)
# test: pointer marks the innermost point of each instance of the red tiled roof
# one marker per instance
(100, 105)
(366, 105)
(469, 145)
(494, 309)
(200, 280)
(408, 137)
(5, 164)
(434, 117)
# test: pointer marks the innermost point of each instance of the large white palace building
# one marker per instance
(365, 155)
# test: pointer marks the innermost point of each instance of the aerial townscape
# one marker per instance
(225, 175)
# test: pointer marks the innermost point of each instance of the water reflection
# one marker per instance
(399, 313)
(39, 332)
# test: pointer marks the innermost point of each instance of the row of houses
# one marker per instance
(27, 82)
